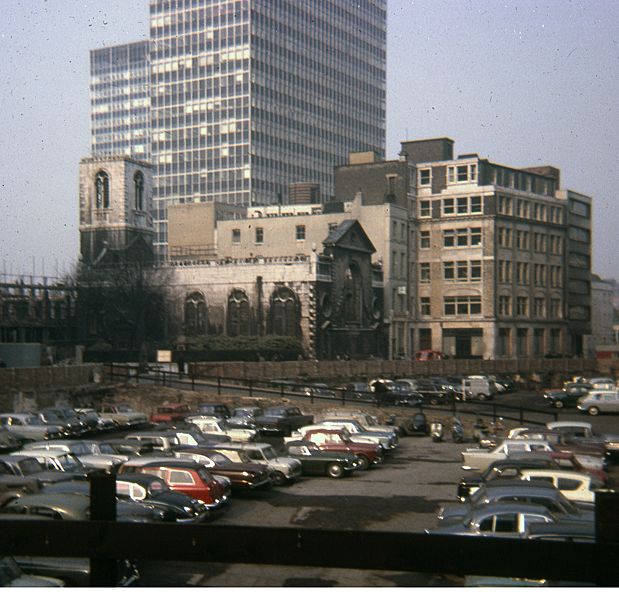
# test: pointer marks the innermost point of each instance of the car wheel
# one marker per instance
(482, 397)
(558, 404)
(279, 478)
(335, 471)
(364, 462)
(593, 411)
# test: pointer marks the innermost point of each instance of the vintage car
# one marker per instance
(387, 442)
(282, 420)
(9, 442)
(284, 469)
(245, 415)
(182, 475)
(214, 409)
(501, 519)
(177, 506)
(58, 460)
(243, 476)
(29, 427)
(562, 531)
(164, 441)
(368, 421)
(123, 415)
(517, 490)
(215, 426)
(508, 468)
(424, 391)
(577, 487)
(315, 461)
(75, 506)
(12, 575)
(599, 401)
(88, 422)
(357, 390)
(90, 460)
(480, 458)
(568, 396)
(94, 420)
(29, 467)
(170, 412)
(56, 417)
(339, 441)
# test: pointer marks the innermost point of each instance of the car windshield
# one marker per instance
(69, 462)
(124, 408)
(30, 466)
(269, 453)
(219, 459)
(80, 449)
(34, 421)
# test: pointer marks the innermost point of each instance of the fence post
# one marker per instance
(521, 415)
(163, 384)
(219, 385)
(103, 571)
(281, 390)
(193, 382)
(251, 388)
(343, 397)
(311, 395)
(494, 412)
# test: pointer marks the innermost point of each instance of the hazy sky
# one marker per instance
(522, 83)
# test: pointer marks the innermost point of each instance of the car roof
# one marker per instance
(52, 500)
(509, 507)
(53, 452)
(140, 461)
(582, 424)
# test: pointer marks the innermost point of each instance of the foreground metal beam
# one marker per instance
(413, 552)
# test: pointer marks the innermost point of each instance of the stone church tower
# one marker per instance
(115, 218)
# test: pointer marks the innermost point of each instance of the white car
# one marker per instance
(599, 401)
(209, 424)
(480, 458)
(578, 487)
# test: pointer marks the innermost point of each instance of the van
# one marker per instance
(479, 388)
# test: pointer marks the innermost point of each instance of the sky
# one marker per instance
(522, 83)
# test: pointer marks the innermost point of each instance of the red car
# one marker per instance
(184, 476)
(339, 441)
(170, 412)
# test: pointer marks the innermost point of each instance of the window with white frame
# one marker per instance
(462, 173)
(424, 306)
(300, 233)
(461, 238)
(424, 239)
(236, 236)
(522, 306)
(425, 177)
(461, 305)
(425, 209)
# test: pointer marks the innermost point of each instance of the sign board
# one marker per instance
(164, 356)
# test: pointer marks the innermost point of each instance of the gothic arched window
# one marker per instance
(284, 313)
(102, 189)
(195, 314)
(239, 318)
(138, 189)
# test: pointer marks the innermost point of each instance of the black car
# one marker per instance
(567, 397)
(315, 461)
(73, 427)
(214, 410)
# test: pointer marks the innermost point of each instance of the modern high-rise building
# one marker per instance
(120, 101)
(250, 96)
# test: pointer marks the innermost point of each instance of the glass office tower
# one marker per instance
(249, 96)
(120, 101)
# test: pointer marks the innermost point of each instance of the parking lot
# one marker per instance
(402, 495)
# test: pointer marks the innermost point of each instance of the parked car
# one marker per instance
(123, 415)
(568, 396)
(357, 390)
(75, 506)
(368, 421)
(315, 461)
(29, 427)
(504, 469)
(367, 454)
(425, 390)
(416, 424)
(105, 462)
(479, 388)
(243, 476)
(181, 475)
(9, 442)
(284, 469)
(71, 425)
(517, 490)
(562, 531)
(30, 467)
(215, 426)
(15, 486)
(214, 409)
(164, 441)
(599, 401)
(480, 458)
(387, 441)
(282, 420)
(58, 460)
(92, 417)
(170, 412)
(511, 520)
(577, 487)
(314, 390)
(12, 575)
